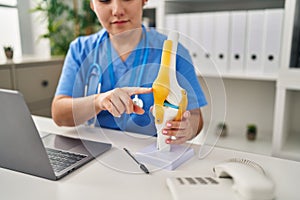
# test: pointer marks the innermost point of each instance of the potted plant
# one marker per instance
(66, 20)
(251, 132)
(9, 52)
(222, 129)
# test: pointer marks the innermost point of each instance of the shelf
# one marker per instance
(262, 144)
(31, 60)
(291, 148)
(289, 78)
(12, 5)
(286, 125)
(189, 6)
(246, 102)
(295, 50)
(254, 77)
(238, 141)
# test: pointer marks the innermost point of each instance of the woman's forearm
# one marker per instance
(68, 111)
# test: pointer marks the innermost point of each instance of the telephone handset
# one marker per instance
(235, 179)
(249, 179)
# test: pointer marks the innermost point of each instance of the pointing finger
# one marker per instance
(138, 110)
(138, 90)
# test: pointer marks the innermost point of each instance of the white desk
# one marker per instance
(102, 178)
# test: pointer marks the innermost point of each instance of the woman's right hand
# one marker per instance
(118, 100)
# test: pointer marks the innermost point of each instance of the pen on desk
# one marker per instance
(142, 167)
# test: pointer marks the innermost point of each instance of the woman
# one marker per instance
(128, 56)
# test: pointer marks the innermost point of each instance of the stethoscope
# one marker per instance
(95, 70)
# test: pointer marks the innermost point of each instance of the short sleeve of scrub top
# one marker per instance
(81, 55)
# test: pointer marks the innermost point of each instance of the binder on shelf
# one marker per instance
(254, 41)
(221, 41)
(205, 39)
(196, 49)
(237, 41)
(195, 26)
(272, 40)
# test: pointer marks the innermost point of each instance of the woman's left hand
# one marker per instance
(180, 131)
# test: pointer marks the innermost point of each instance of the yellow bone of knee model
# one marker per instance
(170, 100)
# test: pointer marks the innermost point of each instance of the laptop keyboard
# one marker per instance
(61, 160)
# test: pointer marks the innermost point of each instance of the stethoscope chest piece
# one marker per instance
(137, 101)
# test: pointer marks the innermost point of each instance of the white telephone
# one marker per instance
(248, 181)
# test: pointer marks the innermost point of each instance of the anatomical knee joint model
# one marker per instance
(170, 100)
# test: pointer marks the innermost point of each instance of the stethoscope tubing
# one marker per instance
(111, 73)
(99, 72)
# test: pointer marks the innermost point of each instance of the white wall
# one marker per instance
(41, 47)
(21, 29)
(10, 33)
(31, 27)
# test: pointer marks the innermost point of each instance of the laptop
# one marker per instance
(23, 150)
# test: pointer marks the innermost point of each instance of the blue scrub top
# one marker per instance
(81, 56)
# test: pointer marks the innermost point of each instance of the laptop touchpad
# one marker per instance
(60, 142)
